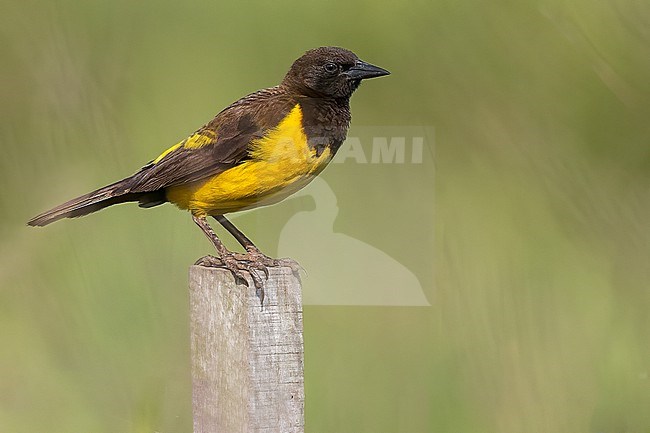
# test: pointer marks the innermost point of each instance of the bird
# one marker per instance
(255, 152)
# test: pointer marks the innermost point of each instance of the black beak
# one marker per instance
(362, 70)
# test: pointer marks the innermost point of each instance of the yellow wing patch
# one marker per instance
(199, 139)
(194, 141)
(281, 163)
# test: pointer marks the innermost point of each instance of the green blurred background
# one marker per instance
(534, 259)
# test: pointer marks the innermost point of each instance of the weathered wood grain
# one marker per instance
(247, 362)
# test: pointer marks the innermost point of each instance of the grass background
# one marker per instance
(531, 240)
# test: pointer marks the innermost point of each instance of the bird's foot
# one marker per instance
(256, 256)
(239, 265)
(251, 262)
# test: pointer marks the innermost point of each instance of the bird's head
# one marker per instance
(329, 72)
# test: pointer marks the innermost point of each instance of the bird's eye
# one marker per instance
(331, 67)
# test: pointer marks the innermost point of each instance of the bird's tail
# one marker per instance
(115, 193)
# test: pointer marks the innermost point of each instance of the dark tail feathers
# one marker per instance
(115, 193)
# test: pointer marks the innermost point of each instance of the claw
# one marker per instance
(209, 262)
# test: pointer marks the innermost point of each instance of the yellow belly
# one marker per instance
(281, 163)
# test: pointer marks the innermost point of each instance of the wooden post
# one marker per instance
(247, 362)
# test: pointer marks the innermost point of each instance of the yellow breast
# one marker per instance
(281, 163)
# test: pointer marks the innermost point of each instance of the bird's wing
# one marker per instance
(220, 144)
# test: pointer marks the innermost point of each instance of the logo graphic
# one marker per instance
(343, 270)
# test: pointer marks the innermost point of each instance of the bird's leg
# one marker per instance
(235, 232)
(253, 253)
(227, 259)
